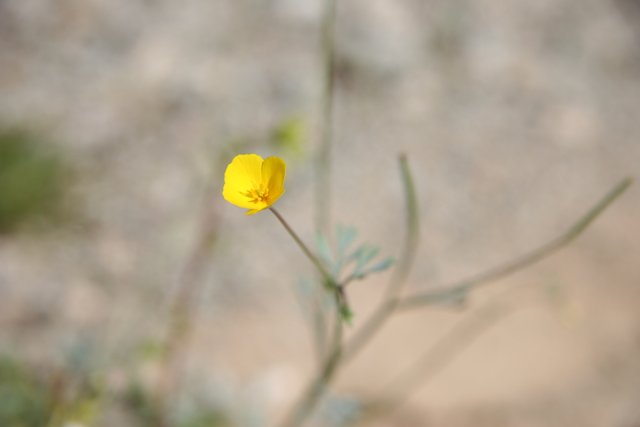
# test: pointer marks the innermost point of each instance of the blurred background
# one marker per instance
(132, 294)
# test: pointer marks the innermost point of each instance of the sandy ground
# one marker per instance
(516, 117)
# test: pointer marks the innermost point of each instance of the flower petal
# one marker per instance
(243, 174)
(273, 173)
(244, 171)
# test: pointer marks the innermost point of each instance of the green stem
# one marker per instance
(412, 232)
(459, 290)
(368, 330)
(400, 273)
(314, 392)
(316, 262)
(323, 181)
(316, 389)
(329, 281)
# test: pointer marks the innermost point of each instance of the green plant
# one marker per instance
(31, 179)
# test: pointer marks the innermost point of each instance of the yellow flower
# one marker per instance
(253, 183)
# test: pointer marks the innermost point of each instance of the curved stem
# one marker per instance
(458, 291)
(412, 232)
(400, 273)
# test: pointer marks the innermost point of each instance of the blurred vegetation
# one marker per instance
(31, 180)
(209, 418)
(41, 397)
(24, 401)
(140, 404)
(290, 136)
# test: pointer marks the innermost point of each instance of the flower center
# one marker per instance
(257, 195)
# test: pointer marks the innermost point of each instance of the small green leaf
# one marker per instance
(366, 254)
(346, 236)
(381, 266)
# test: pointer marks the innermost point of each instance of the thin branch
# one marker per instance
(316, 389)
(319, 327)
(312, 305)
(329, 281)
(400, 273)
(412, 232)
(323, 167)
(457, 292)
(463, 334)
(305, 249)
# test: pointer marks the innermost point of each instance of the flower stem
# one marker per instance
(316, 262)
(315, 390)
